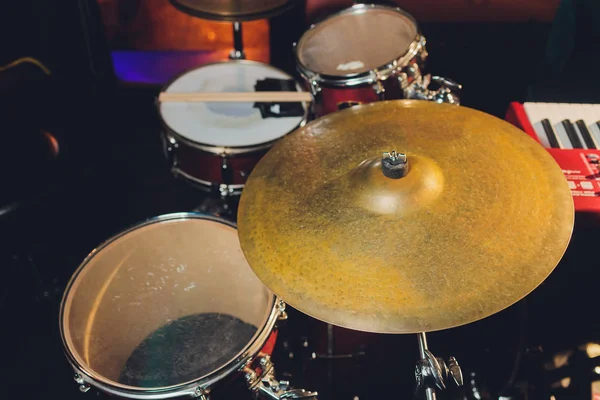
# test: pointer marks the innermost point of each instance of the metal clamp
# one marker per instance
(84, 387)
(264, 386)
(446, 93)
(432, 372)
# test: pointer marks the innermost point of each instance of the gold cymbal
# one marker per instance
(481, 218)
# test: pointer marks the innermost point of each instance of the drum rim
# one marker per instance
(227, 150)
(367, 77)
(199, 385)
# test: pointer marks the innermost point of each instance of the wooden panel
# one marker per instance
(456, 10)
(157, 25)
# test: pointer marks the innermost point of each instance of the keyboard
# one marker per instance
(565, 126)
(571, 134)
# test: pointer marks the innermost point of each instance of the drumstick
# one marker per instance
(258, 97)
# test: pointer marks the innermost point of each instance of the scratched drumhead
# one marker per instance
(227, 124)
(163, 304)
(357, 40)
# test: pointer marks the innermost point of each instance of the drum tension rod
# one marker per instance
(432, 372)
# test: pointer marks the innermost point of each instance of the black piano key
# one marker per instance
(550, 133)
(587, 137)
(573, 137)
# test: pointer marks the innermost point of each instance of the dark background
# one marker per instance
(111, 173)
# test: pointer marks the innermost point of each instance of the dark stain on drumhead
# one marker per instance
(186, 349)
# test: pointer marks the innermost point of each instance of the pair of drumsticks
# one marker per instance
(230, 97)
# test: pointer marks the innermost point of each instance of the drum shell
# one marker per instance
(331, 96)
(212, 167)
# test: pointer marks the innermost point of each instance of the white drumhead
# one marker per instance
(225, 124)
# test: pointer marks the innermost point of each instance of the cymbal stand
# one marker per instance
(432, 372)
(238, 46)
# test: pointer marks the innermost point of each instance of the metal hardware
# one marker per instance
(315, 88)
(201, 394)
(169, 145)
(282, 313)
(394, 165)
(446, 93)
(432, 372)
(342, 105)
(84, 387)
(238, 47)
(379, 90)
(264, 386)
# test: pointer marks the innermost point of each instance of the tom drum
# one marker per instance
(169, 308)
(366, 53)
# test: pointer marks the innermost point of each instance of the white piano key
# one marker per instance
(591, 114)
(541, 134)
(563, 138)
(595, 132)
(576, 129)
(535, 114)
(575, 114)
(556, 113)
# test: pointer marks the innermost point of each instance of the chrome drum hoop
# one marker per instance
(416, 51)
(198, 388)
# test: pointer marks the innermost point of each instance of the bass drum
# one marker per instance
(169, 308)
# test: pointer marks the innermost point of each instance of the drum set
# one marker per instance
(215, 144)
(394, 215)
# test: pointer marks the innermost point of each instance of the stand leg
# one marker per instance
(238, 45)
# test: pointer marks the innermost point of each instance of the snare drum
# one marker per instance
(216, 145)
(363, 54)
(169, 308)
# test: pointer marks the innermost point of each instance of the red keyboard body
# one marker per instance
(580, 166)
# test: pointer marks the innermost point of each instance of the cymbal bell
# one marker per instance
(472, 220)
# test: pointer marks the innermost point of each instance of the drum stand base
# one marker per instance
(432, 372)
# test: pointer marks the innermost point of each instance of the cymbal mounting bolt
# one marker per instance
(394, 165)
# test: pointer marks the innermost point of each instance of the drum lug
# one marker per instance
(315, 88)
(379, 90)
(226, 177)
(282, 313)
(225, 191)
(422, 53)
(83, 385)
(201, 394)
(169, 146)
